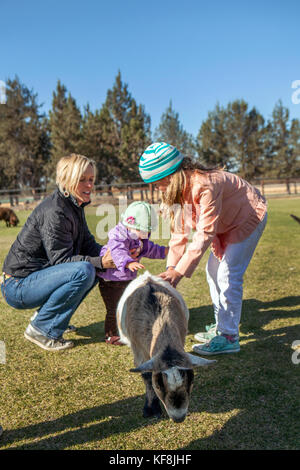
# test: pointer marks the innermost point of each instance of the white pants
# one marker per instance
(225, 279)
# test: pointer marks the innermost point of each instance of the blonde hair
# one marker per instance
(69, 170)
(174, 194)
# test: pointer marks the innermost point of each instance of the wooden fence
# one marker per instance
(277, 186)
(270, 187)
(109, 193)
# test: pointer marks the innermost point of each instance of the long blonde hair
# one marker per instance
(69, 170)
(174, 195)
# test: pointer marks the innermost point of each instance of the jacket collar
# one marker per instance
(73, 199)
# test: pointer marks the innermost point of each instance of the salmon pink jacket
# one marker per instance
(222, 208)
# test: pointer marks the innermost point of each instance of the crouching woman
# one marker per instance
(53, 262)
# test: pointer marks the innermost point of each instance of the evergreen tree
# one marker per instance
(267, 151)
(118, 102)
(294, 144)
(212, 141)
(98, 142)
(135, 138)
(233, 137)
(24, 140)
(170, 130)
(127, 130)
(245, 138)
(253, 164)
(279, 136)
(65, 126)
(238, 133)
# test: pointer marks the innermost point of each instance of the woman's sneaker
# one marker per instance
(210, 333)
(44, 342)
(218, 345)
(70, 329)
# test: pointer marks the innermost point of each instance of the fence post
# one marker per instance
(151, 193)
(2, 353)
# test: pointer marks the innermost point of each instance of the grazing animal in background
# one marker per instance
(153, 319)
(9, 217)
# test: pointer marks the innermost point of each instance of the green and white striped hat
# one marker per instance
(159, 160)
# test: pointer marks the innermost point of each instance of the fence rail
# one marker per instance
(269, 187)
(135, 190)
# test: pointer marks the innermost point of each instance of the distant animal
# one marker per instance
(153, 319)
(295, 218)
(9, 217)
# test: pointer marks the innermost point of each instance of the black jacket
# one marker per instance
(55, 232)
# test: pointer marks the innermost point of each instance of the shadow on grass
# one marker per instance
(87, 425)
(249, 400)
(259, 385)
(92, 333)
(255, 315)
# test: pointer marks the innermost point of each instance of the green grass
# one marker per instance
(86, 398)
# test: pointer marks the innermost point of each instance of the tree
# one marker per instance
(253, 164)
(128, 128)
(282, 163)
(170, 130)
(233, 137)
(135, 138)
(98, 142)
(294, 144)
(245, 131)
(24, 138)
(65, 126)
(212, 141)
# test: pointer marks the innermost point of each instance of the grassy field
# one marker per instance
(86, 398)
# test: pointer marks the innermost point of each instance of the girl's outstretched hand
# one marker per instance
(134, 266)
(172, 276)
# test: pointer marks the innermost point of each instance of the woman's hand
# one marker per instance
(107, 261)
(172, 276)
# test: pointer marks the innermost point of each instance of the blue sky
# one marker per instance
(196, 53)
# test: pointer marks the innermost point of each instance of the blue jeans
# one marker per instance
(57, 290)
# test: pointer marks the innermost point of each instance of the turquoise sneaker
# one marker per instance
(218, 345)
(211, 332)
(211, 326)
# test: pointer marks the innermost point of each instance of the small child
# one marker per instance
(128, 242)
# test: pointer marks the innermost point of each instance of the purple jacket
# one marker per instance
(120, 241)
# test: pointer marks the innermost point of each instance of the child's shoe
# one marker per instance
(220, 344)
(210, 333)
(114, 340)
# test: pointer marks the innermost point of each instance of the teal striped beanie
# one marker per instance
(159, 160)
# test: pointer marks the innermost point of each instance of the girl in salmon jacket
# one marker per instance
(128, 242)
(228, 214)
